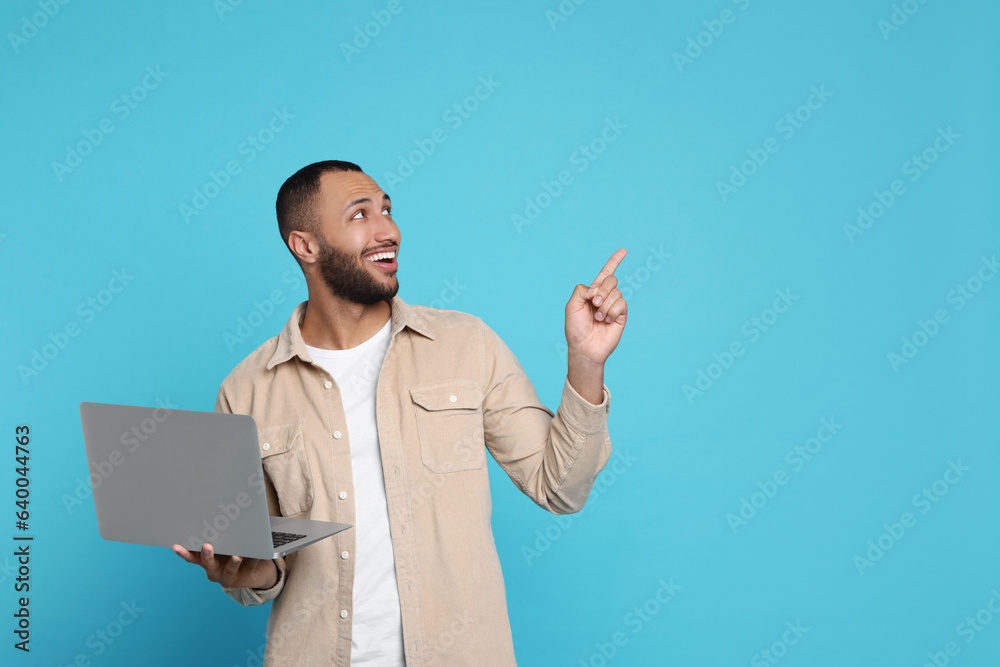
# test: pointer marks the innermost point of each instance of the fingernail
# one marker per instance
(599, 316)
(598, 300)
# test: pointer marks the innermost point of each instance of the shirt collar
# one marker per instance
(290, 343)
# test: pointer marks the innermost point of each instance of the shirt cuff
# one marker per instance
(581, 414)
(249, 597)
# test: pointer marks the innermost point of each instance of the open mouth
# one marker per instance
(385, 259)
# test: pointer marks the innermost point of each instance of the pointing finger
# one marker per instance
(609, 269)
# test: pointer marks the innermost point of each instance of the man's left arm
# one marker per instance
(555, 458)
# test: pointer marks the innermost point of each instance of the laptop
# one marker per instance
(163, 477)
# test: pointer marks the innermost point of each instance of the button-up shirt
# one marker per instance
(448, 390)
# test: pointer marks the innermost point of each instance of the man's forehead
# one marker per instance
(341, 187)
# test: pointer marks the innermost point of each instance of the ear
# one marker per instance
(304, 246)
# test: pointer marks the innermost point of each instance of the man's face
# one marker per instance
(356, 227)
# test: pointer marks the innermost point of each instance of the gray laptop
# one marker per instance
(164, 477)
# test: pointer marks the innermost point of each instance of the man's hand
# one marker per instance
(595, 319)
(231, 571)
(596, 314)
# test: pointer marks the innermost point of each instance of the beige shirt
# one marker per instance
(448, 390)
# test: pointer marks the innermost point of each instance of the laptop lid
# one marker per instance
(163, 477)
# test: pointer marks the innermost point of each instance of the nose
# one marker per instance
(386, 229)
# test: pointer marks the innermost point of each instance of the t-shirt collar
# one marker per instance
(290, 343)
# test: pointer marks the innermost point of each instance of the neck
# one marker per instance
(331, 323)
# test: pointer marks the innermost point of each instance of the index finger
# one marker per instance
(610, 267)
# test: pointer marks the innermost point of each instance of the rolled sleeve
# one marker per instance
(581, 414)
(249, 597)
(588, 424)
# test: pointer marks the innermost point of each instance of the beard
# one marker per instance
(349, 280)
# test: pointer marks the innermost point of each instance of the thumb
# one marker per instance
(583, 293)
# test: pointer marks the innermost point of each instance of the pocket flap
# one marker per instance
(450, 396)
(279, 438)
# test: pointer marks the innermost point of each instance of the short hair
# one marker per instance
(295, 205)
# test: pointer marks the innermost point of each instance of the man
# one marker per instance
(377, 413)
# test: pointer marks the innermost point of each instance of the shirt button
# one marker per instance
(453, 398)
(343, 495)
(328, 384)
(336, 434)
(266, 446)
(343, 613)
(344, 555)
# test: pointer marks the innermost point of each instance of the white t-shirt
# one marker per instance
(377, 625)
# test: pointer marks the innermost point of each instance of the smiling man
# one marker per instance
(378, 413)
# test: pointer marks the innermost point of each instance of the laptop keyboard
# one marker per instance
(281, 539)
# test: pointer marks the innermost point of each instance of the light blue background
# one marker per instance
(655, 186)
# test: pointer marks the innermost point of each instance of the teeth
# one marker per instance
(381, 255)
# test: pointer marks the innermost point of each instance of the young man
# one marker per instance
(377, 413)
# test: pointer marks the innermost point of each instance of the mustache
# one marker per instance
(380, 248)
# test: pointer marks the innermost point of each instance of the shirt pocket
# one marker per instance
(283, 455)
(450, 426)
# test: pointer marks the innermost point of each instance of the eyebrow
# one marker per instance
(365, 200)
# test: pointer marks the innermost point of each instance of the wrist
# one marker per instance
(577, 358)
(272, 579)
(586, 377)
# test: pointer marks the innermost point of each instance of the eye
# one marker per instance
(360, 213)
(387, 210)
